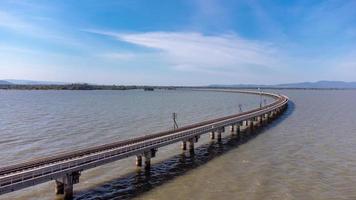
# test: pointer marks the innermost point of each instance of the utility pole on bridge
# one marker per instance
(175, 125)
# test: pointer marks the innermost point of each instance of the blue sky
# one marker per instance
(185, 42)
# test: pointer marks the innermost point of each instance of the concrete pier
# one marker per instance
(251, 126)
(59, 188)
(266, 118)
(147, 156)
(64, 185)
(184, 145)
(212, 135)
(196, 138)
(219, 135)
(191, 145)
(238, 130)
(153, 153)
(68, 191)
(139, 160)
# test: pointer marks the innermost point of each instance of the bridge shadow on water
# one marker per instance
(137, 183)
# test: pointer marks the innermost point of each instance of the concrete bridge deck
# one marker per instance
(66, 168)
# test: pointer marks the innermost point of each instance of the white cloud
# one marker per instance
(118, 56)
(187, 51)
(9, 21)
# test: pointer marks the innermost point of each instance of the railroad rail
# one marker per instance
(65, 168)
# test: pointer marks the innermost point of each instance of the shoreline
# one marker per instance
(146, 88)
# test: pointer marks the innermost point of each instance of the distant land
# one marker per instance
(3, 82)
(10, 84)
(302, 85)
(30, 82)
(74, 86)
(49, 85)
(320, 84)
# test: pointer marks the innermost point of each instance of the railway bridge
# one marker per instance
(65, 168)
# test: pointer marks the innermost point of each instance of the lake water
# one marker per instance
(308, 153)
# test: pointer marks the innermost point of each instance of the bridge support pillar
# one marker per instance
(147, 156)
(68, 192)
(184, 145)
(153, 153)
(191, 145)
(139, 160)
(274, 114)
(232, 128)
(59, 188)
(196, 138)
(64, 185)
(238, 131)
(251, 126)
(212, 135)
(219, 135)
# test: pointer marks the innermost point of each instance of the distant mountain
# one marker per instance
(30, 82)
(4, 82)
(317, 85)
(320, 84)
(240, 86)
